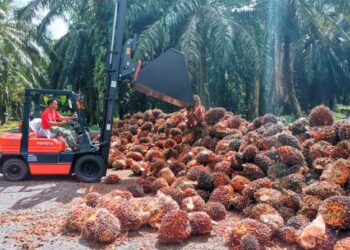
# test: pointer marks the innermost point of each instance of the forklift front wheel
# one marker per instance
(89, 168)
(15, 170)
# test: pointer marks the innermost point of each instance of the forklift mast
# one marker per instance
(114, 72)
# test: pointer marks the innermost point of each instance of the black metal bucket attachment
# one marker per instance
(167, 78)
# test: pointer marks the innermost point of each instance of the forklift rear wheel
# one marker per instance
(90, 168)
(15, 170)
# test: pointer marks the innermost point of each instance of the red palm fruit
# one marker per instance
(238, 183)
(249, 242)
(205, 157)
(234, 122)
(194, 172)
(336, 212)
(288, 235)
(175, 228)
(136, 190)
(320, 149)
(321, 116)
(249, 153)
(298, 222)
(175, 193)
(135, 156)
(101, 227)
(194, 203)
(119, 193)
(252, 171)
(267, 215)
(220, 179)
(200, 223)
(177, 166)
(290, 155)
(216, 210)
(310, 205)
(91, 199)
(111, 179)
(213, 115)
(338, 172)
(323, 189)
(286, 213)
(253, 186)
(294, 182)
(270, 196)
(146, 184)
(327, 134)
(77, 216)
(223, 167)
(158, 184)
(240, 202)
(223, 194)
(343, 244)
(169, 143)
(263, 162)
(253, 227)
(344, 131)
(167, 174)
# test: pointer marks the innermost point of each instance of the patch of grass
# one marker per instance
(9, 125)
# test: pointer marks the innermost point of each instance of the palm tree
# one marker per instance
(20, 62)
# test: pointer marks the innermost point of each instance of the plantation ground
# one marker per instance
(32, 212)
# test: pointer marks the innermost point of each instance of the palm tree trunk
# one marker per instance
(203, 79)
(256, 98)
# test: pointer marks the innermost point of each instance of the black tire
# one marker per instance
(90, 168)
(15, 169)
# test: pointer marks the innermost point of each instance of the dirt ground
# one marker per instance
(32, 213)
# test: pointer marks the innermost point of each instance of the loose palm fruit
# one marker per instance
(249, 242)
(223, 194)
(238, 183)
(77, 217)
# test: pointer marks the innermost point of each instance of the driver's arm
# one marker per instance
(67, 118)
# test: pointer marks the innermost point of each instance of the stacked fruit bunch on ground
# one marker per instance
(291, 183)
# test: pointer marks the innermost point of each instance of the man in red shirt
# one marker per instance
(51, 121)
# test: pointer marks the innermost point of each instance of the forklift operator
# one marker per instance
(51, 121)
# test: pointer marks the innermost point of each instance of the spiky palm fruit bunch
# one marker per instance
(249, 242)
(323, 189)
(249, 152)
(224, 195)
(299, 126)
(111, 179)
(338, 172)
(193, 204)
(253, 186)
(147, 126)
(77, 216)
(119, 164)
(286, 212)
(119, 193)
(286, 139)
(91, 199)
(269, 118)
(200, 223)
(174, 193)
(291, 199)
(205, 181)
(298, 222)
(321, 116)
(167, 175)
(335, 212)
(101, 227)
(158, 184)
(223, 167)
(235, 144)
(175, 227)
(320, 149)
(269, 196)
(220, 179)
(134, 129)
(136, 190)
(158, 208)
(252, 171)
(310, 205)
(194, 172)
(177, 166)
(238, 183)
(320, 164)
(327, 134)
(344, 131)
(267, 215)
(136, 156)
(290, 155)
(338, 152)
(205, 157)
(288, 234)
(343, 244)
(263, 161)
(146, 184)
(294, 182)
(267, 143)
(240, 202)
(253, 227)
(215, 210)
(234, 122)
(213, 115)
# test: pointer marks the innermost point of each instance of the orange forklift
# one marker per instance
(25, 153)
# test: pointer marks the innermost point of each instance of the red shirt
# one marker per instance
(49, 115)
